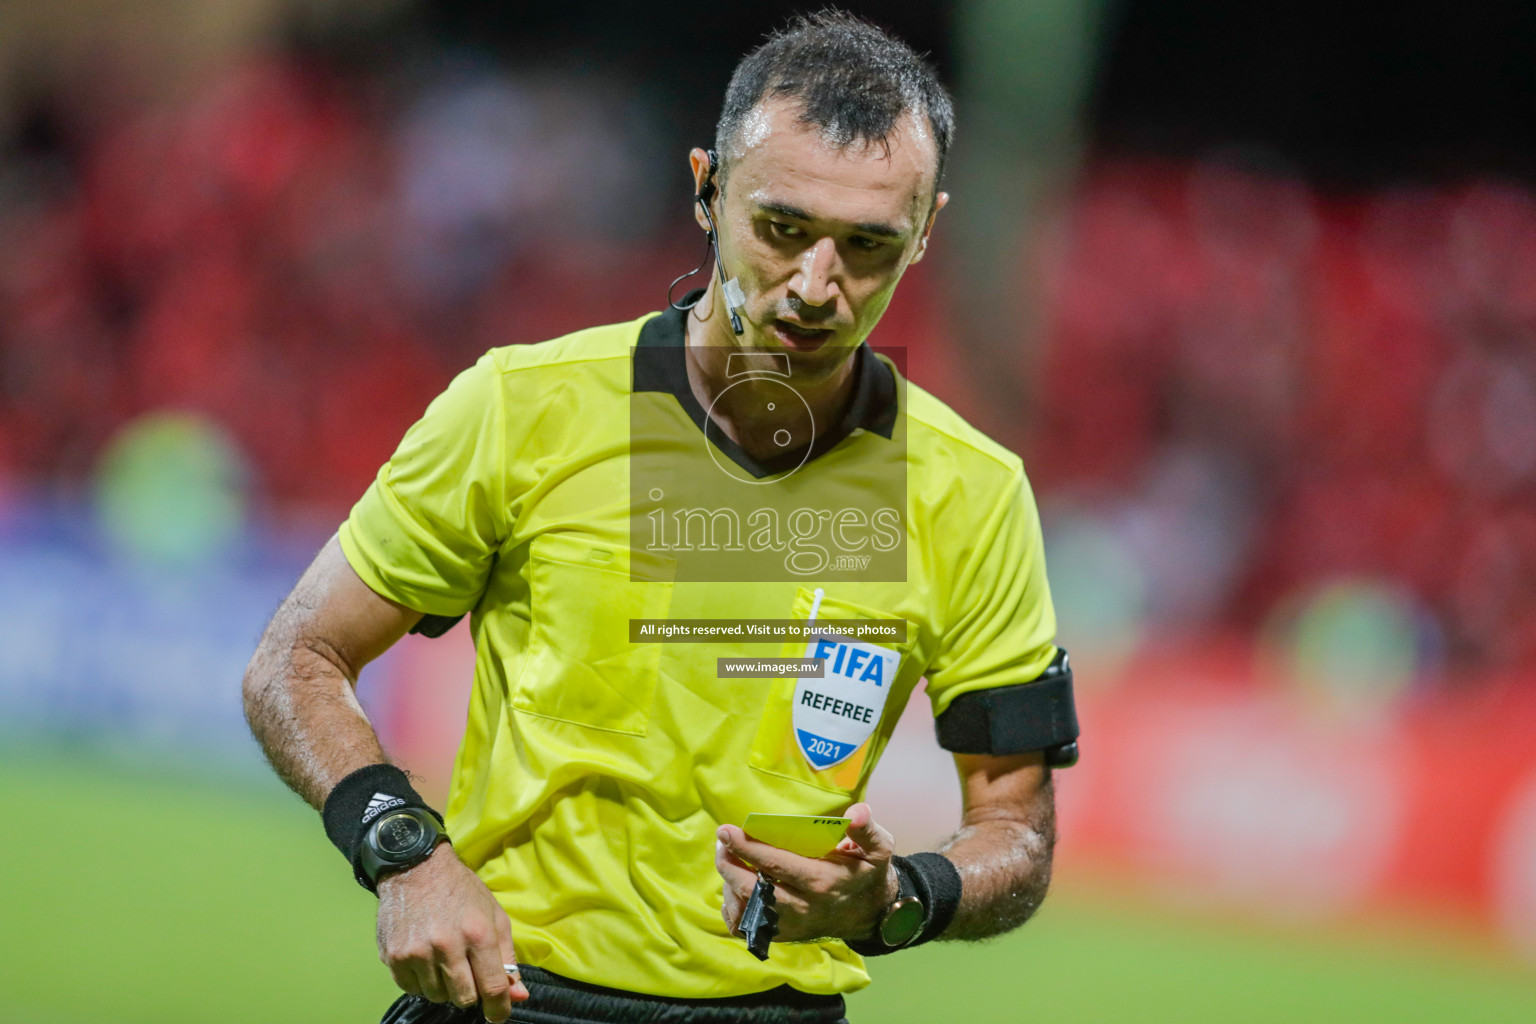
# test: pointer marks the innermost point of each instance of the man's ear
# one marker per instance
(698, 160)
(922, 243)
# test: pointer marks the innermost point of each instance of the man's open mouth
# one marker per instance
(803, 339)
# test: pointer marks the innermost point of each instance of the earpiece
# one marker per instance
(731, 289)
(706, 194)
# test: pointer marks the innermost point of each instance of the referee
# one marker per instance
(742, 456)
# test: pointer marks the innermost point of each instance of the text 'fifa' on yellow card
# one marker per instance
(805, 834)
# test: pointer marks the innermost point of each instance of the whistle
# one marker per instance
(760, 921)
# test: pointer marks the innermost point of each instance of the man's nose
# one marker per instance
(815, 280)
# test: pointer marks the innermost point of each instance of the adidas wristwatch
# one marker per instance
(400, 839)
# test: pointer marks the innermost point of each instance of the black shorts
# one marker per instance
(557, 1000)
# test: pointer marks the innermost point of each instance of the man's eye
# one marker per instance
(786, 230)
(864, 242)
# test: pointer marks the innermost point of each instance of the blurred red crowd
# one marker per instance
(242, 254)
(1364, 365)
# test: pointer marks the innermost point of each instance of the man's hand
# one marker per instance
(840, 895)
(443, 936)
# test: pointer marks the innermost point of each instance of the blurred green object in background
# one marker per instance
(171, 489)
(140, 895)
(1355, 641)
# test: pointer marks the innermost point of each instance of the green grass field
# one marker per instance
(134, 896)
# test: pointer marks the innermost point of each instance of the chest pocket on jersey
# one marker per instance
(580, 666)
(829, 732)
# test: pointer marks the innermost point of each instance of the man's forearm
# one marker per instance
(301, 707)
(1005, 868)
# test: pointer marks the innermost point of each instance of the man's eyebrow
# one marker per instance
(783, 208)
(795, 213)
(880, 230)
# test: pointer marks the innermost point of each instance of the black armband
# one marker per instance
(935, 880)
(359, 800)
(434, 626)
(1039, 715)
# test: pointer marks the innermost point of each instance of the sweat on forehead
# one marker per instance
(759, 123)
(778, 147)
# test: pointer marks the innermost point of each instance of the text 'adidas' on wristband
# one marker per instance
(357, 801)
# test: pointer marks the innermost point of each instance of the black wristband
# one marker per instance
(938, 886)
(359, 799)
(936, 881)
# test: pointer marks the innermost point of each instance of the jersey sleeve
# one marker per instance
(425, 532)
(1002, 626)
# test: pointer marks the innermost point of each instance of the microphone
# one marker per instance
(734, 299)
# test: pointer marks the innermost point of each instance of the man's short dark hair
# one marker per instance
(852, 80)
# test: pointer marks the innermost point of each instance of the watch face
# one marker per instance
(399, 834)
(902, 923)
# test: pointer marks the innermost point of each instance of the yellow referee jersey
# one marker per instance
(595, 771)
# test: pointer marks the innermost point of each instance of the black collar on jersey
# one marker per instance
(660, 365)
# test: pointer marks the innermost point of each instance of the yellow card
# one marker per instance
(805, 834)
